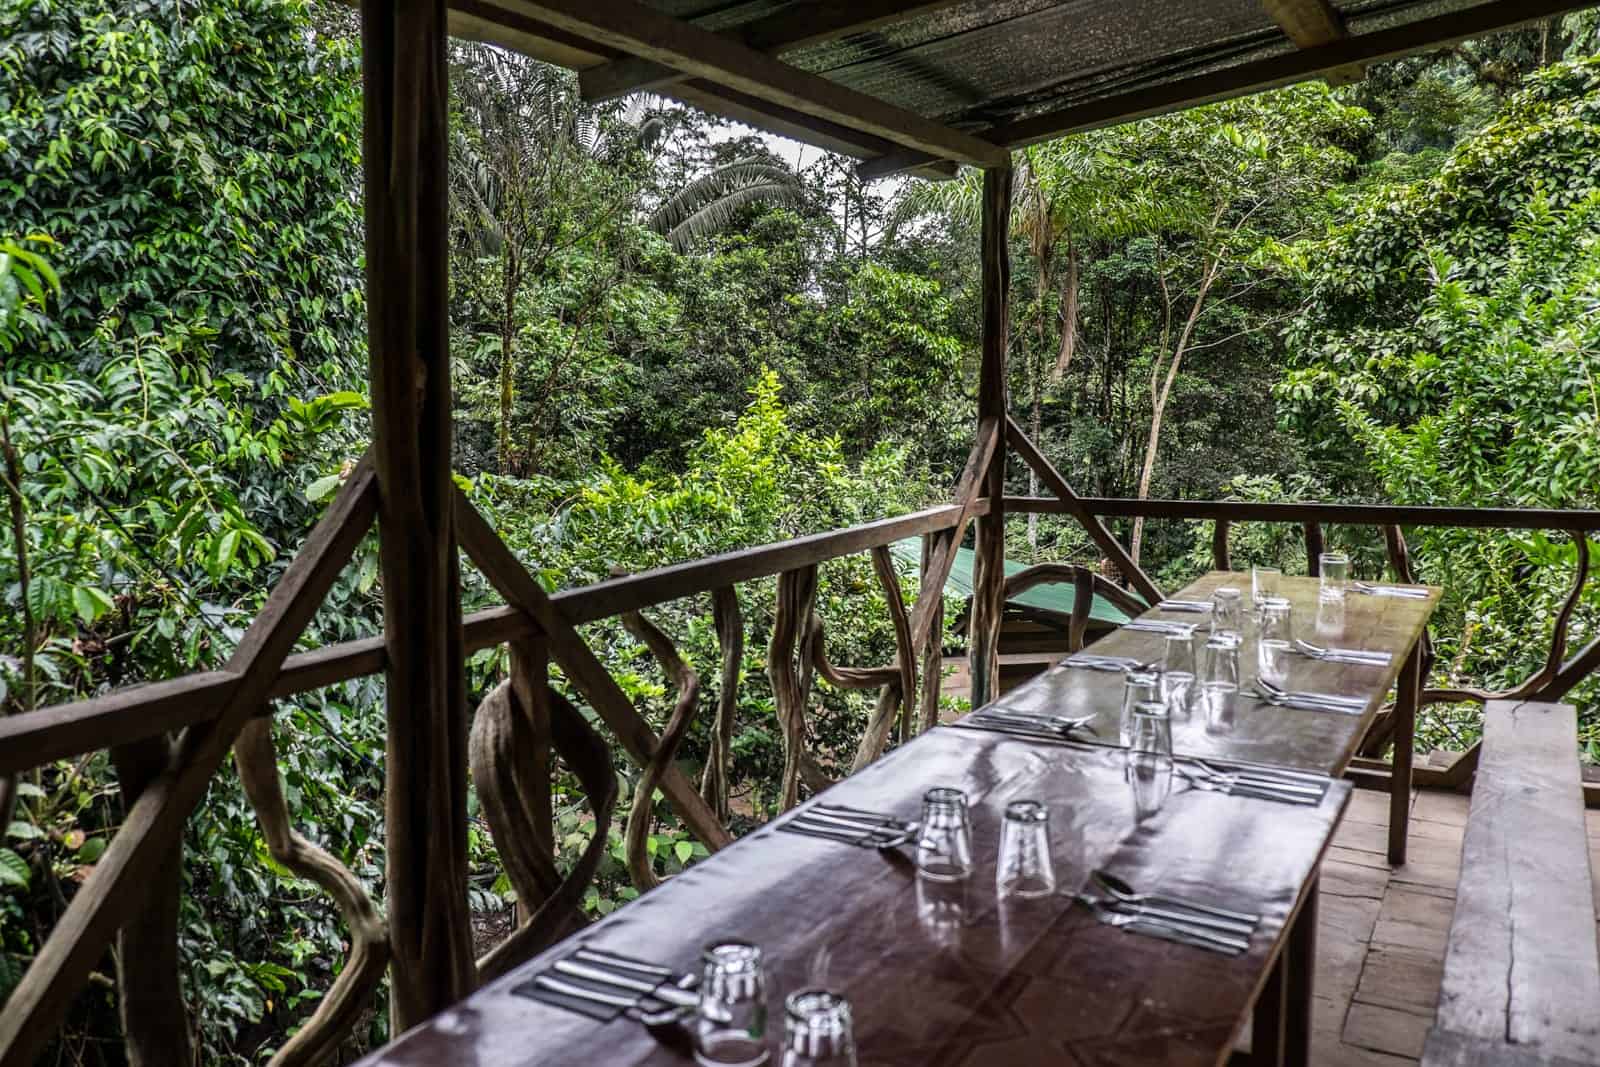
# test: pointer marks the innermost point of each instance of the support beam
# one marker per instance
(988, 577)
(405, 145)
(783, 30)
(647, 33)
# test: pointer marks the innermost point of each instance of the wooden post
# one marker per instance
(405, 145)
(530, 681)
(988, 580)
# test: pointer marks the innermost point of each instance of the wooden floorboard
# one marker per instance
(1382, 930)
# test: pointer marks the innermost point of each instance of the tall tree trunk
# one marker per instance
(508, 299)
(1069, 312)
(1161, 392)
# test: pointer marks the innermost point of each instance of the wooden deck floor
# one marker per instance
(1381, 941)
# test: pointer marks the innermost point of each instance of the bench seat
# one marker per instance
(1521, 971)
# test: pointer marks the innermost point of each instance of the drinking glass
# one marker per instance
(817, 1030)
(1137, 686)
(1265, 583)
(944, 844)
(1227, 610)
(731, 1026)
(1025, 868)
(1150, 758)
(1177, 674)
(1276, 640)
(942, 908)
(1219, 682)
(1335, 570)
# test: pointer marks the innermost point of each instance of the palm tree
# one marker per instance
(712, 202)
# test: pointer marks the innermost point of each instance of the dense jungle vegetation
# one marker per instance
(670, 340)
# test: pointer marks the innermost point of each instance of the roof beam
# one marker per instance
(781, 31)
(645, 32)
(1281, 70)
(1309, 23)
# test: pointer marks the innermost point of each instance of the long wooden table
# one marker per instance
(948, 978)
(1262, 733)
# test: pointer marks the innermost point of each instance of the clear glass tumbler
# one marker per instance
(1219, 682)
(1335, 570)
(1265, 583)
(818, 1030)
(1275, 646)
(1137, 687)
(1177, 674)
(730, 1029)
(944, 844)
(1025, 868)
(1150, 758)
(1227, 610)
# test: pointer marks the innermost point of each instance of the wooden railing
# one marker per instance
(168, 738)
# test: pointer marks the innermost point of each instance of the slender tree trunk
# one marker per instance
(1161, 392)
(1069, 312)
(508, 299)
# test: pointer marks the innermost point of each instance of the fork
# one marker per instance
(1062, 722)
(1111, 915)
(1031, 726)
(1389, 590)
(1330, 699)
(1361, 656)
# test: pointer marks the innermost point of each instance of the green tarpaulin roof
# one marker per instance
(1055, 597)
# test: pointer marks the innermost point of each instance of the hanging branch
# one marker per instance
(642, 813)
(341, 1007)
(797, 591)
(729, 623)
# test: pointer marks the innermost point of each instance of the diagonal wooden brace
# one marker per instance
(507, 574)
(155, 823)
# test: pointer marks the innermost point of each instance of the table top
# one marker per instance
(948, 976)
(1261, 733)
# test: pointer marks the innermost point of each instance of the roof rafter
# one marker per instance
(781, 31)
(633, 28)
(1309, 23)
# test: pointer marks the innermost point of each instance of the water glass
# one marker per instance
(942, 908)
(1219, 682)
(1177, 674)
(1274, 648)
(944, 844)
(731, 1026)
(1137, 687)
(1335, 570)
(1265, 583)
(817, 1030)
(1227, 610)
(1025, 868)
(1150, 758)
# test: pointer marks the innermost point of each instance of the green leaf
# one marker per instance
(90, 603)
(91, 849)
(683, 850)
(28, 789)
(323, 488)
(13, 869)
(23, 831)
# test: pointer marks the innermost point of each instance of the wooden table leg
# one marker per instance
(1405, 723)
(1301, 981)
(1267, 1021)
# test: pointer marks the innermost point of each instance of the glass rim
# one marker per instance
(732, 953)
(1227, 592)
(803, 1005)
(1276, 603)
(1333, 557)
(1152, 709)
(1257, 568)
(1144, 677)
(945, 794)
(1027, 811)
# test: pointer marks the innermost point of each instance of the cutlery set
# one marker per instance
(1168, 917)
(1029, 724)
(852, 826)
(603, 985)
(1408, 592)
(1284, 787)
(1269, 693)
(1358, 656)
(1110, 664)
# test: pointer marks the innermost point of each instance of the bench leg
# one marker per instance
(1268, 1019)
(1405, 725)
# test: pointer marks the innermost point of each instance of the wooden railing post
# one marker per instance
(1314, 548)
(1220, 559)
(155, 1024)
(729, 623)
(988, 578)
(530, 680)
(933, 644)
(797, 590)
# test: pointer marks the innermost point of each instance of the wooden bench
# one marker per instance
(1521, 973)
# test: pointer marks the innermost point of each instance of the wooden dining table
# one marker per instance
(953, 974)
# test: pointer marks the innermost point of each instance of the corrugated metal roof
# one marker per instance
(1003, 72)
